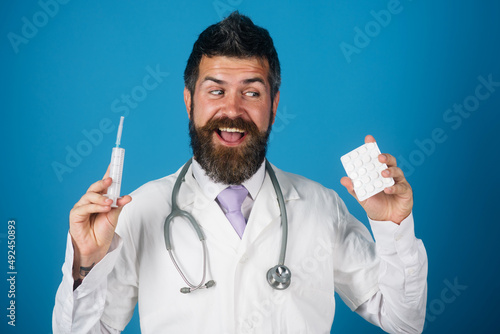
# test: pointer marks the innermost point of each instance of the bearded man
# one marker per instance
(243, 210)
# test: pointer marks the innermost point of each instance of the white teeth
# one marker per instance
(231, 130)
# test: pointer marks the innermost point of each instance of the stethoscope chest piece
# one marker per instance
(279, 277)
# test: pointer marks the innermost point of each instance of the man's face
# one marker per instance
(231, 113)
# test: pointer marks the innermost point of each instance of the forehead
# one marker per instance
(231, 67)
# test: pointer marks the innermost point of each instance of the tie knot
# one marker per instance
(232, 197)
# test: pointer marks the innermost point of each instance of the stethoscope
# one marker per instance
(278, 276)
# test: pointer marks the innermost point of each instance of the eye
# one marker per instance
(252, 94)
(217, 92)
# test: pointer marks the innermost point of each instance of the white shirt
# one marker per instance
(385, 283)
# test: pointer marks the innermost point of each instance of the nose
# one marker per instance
(233, 106)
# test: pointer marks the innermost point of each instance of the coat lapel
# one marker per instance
(214, 223)
(207, 213)
(265, 209)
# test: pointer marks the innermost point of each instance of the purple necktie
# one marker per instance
(231, 199)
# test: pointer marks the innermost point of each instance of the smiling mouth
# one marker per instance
(231, 136)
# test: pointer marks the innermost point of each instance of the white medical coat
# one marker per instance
(328, 250)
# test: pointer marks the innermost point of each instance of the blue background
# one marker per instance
(397, 86)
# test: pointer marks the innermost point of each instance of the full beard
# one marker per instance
(229, 165)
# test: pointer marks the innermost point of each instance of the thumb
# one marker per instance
(115, 212)
(347, 183)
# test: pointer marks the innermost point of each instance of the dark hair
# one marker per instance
(235, 36)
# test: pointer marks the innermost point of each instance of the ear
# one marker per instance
(187, 101)
(276, 101)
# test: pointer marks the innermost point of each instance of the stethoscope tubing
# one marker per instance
(278, 276)
(284, 218)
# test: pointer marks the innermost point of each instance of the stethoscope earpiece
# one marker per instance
(279, 277)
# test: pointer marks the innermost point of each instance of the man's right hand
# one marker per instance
(92, 224)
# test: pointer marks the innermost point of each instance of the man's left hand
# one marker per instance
(394, 203)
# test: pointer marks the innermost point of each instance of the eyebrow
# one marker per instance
(217, 81)
(256, 79)
(246, 81)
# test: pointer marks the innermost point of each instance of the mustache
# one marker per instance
(228, 165)
(226, 122)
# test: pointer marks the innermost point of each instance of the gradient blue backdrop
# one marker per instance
(69, 75)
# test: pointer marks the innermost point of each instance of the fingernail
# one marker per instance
(385, 173)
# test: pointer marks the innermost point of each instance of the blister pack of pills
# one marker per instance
(364, 169)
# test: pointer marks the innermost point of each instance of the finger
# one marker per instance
(115, 212)
(387, 159)
(122, 201)
(100, 186)
(369, 139)
(395, 172)
(95, 198)
(82, 213)
(398, 189)
(347, 183)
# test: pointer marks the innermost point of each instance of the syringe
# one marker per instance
(116, 167)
